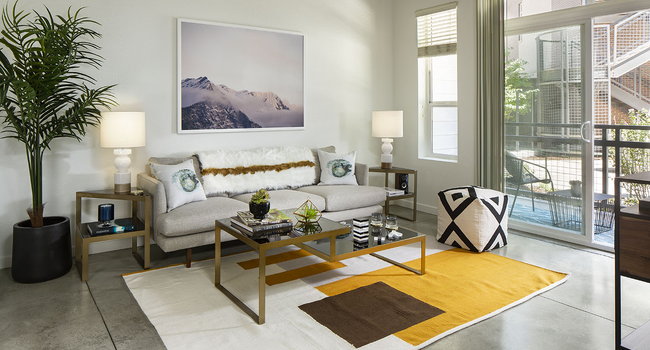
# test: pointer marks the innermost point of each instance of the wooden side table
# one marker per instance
(413, 194)
(83, 238)
(632, 257)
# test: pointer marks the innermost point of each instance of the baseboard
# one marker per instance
(5, 262)
(95, 248)
(426, 208)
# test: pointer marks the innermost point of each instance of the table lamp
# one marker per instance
(387, 125)
(122, 131)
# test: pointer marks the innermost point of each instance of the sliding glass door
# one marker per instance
(577, 91)
(547, 132)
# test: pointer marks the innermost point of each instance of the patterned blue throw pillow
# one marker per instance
(182, 186)
(337, 168)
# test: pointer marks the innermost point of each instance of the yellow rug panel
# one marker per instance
(302, 272)
(274, 259)
(466, 285)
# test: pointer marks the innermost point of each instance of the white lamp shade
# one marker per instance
(387, 124)
(122, 129)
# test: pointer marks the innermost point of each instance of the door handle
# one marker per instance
(583, 126)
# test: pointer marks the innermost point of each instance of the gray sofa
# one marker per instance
(192, 225)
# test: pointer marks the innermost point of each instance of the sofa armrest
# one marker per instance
(362, 174)
(155, 188)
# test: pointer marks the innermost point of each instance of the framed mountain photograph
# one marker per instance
(237, 78)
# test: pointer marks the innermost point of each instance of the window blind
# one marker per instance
(437, 33)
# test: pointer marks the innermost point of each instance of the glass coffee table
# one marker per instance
(322, 243)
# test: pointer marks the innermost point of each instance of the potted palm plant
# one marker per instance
(45, 95)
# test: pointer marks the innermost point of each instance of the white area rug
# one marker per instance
(190, 313)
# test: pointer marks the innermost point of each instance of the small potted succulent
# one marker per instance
(308, 213)
(259, 204)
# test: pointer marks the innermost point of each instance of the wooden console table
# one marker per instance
(632, 260)
(413, 194)
(83, 238)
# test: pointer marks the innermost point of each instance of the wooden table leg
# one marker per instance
(415, 196)
(217, 256)
(84, 260)
(147, 233)
(134, 245)
(423, 252)
(262, 282)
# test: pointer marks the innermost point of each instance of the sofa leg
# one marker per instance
(188, 257)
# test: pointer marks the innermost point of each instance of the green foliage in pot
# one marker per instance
(311, 214)
(45, 86)
(261, 196)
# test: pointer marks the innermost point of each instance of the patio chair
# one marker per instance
(521, 173)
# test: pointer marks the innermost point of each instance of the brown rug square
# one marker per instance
(369, 313)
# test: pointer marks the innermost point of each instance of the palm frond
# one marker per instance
(44, 82)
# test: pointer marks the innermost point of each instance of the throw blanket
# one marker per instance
(245, 171)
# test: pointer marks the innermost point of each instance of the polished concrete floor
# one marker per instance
(101, 313)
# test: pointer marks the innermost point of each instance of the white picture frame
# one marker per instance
(235, 78)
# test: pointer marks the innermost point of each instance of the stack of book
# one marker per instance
(392, 192)
(274, 223)
(360, 233)
(116, 226)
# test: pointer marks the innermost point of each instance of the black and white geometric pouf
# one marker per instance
(473, 218)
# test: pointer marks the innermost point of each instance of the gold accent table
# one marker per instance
(322, 244)
(413, 194)
(83, 238)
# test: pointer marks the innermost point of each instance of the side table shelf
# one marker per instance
(412, 195)
(632, 257)
(83, 238)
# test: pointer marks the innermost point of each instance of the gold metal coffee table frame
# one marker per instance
(299, 240)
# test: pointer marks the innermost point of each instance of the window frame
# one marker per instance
(426, 104)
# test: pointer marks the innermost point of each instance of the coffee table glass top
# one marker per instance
(323, 226)
(347, 244)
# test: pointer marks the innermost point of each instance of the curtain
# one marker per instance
(490, 93)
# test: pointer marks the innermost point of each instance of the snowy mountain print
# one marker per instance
(206, 105)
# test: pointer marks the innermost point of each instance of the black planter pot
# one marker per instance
(43, 253)
(259, 210)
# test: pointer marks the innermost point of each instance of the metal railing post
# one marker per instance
(605, 159)
(617, 153)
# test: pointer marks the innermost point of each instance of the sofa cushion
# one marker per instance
(197, 216)
(287, 199)
(317, 170)
(337, 168)
(243, 171)
(344, 197)
(180, 182)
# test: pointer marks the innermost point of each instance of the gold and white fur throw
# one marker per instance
(244, 171)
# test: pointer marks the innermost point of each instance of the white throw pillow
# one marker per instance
(337, 168)
(181, 183)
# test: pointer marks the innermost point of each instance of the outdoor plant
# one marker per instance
(45, 85)
(261, 196)
(519, 91)
(635, 160)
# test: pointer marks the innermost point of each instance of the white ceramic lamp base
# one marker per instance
(386, 156)
(122, 176)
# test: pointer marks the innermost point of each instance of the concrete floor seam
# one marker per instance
(101, 315)
(579, 309)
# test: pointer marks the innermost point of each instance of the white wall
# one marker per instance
(434, 176)
(348, 73)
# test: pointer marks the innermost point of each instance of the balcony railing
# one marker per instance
(564, 140)
(617, 144)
